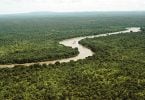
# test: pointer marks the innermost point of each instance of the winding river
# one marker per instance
(74, 43)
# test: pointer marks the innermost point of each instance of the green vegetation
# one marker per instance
(22, 37)
(143, 28)
(116, 71)
(36, 39)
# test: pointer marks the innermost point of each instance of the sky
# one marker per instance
(22, 6)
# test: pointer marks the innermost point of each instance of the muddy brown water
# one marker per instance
(74, 43)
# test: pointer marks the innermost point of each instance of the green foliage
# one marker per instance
(24, 37)
(116, 71)
(143, 29)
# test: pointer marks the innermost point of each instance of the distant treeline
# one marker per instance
(35, 38)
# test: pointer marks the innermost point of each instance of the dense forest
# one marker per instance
(22, 37)
(115, 72)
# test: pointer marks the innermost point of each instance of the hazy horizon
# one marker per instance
(26, 6)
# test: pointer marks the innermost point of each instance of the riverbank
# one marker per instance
(74, 43)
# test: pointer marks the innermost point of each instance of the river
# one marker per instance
(74, 43)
